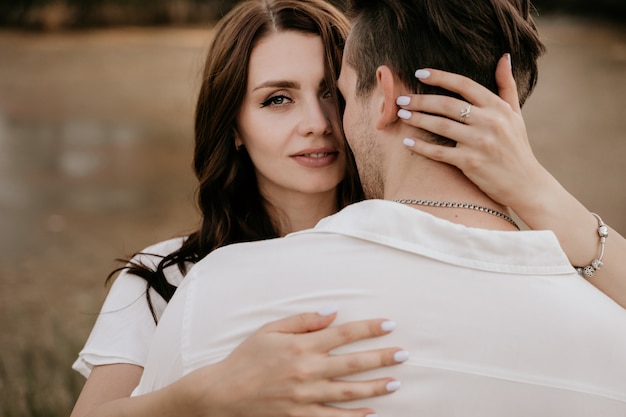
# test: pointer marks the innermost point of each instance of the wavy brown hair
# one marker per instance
(232, 208)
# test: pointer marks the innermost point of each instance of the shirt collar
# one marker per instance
(408, 229)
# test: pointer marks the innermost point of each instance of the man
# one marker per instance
(497, 321)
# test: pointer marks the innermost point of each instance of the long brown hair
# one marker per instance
(231, 205)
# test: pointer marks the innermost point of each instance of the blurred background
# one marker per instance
(96, 114)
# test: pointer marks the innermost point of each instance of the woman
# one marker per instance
(270, 158)
(243, 196)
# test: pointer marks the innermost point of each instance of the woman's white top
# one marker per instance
(124, 328)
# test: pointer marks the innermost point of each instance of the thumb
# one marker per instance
(507, 89)
(302, 323)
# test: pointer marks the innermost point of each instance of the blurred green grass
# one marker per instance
(37, 380)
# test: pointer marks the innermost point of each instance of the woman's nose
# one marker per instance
(315, 120)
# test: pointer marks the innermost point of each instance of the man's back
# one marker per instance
(497, 323)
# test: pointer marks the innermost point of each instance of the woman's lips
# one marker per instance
(316, 159)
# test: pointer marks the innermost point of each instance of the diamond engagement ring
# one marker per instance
(465, 113)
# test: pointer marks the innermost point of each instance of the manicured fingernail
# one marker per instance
(388, 326)
(408, 142)
(404, 114)
(508, 57)
(327, 311)
(403, 100)
(422, 74)
(393, 386)
(401, 356)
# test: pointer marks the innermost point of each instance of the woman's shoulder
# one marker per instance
(153, 254)
(125, 325)
(149, 257)
(127, 286)
(164, 247)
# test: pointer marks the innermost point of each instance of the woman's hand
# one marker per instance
(285, 369)
(493, 151)
(492, 144)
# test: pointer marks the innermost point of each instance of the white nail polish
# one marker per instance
(393, 386)
(388, 326)
(327, 311)
(403, 100)
(401, 356)
(422, 74)
(404, 114)
(508, 56)
(408, 142)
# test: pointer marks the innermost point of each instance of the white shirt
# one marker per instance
(497, 323)
(124, 328)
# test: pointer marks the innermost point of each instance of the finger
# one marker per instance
(301, 323)
(342, 391)
(507, 89)
(346, 333)
(442, 126)
(467, 88)
(434, 105)
(432, 151)
(353, 363)
(319, 410)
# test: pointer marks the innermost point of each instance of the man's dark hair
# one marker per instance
(467, 37)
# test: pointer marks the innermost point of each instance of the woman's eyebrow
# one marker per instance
(278, 84)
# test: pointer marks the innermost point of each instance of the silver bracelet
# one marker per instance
(589, 270)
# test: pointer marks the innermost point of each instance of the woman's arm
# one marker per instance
(282, 369)
(494, 152)
(107, 383)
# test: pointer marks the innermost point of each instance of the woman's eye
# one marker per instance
(275, 101)
(328, 94)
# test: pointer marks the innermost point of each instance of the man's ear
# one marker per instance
(386, 84)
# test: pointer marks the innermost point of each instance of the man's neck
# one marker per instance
(410, 177)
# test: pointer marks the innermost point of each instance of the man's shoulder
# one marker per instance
(242, 256)
(269, 247)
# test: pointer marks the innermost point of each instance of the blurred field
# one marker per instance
(95, 151)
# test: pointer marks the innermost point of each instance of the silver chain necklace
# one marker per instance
(449, 204)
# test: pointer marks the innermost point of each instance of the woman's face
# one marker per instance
(288, 120)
